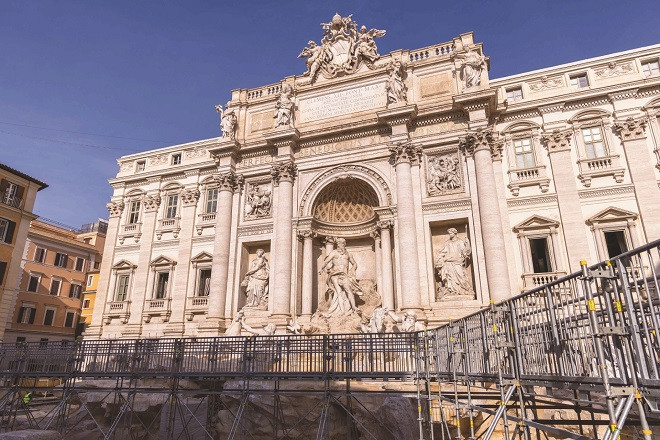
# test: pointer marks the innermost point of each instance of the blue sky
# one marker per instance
(84, 82)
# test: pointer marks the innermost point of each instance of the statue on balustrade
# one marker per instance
(472, 65)
(408, 321)
(342, 283)
(228, 121)
(256, 282)
(395, 87)
(451, 267)
(284, 108)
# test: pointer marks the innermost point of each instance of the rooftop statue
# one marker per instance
(343, 49)
(228, 121)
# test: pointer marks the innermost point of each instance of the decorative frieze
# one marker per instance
(614, 69)
(283, 171)
(546, 83)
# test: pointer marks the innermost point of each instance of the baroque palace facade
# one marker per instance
(378, 190)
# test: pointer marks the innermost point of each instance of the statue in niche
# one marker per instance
(341, 269)
(396, 89)
(258, 202)
(408, 321)
(256, 282)
(234, 328)
(451, 267)
(444, 174)
(228, 121)
(366, 46)
(284, 108)
(472, 64)
(376, 322)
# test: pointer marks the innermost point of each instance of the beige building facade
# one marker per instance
(409, 183)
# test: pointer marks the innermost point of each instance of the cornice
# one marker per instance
(606, 192)
(537, 200)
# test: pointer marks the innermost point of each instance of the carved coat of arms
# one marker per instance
(343, 49)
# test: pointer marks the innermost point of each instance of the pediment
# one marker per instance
(536, 222)
(202, 257)
(612, 214)
(163, 261)
(123, 264)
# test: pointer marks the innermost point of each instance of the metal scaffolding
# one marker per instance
(576, 358)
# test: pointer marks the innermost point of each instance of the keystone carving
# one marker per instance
(283, 171)
(631, 129)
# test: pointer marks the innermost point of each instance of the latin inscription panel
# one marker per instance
(343, 102)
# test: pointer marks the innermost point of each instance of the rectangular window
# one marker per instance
(650, 68)
(204, 282)
(86, 304)
(122, 287)
(7, 230)
(90, 280)
(40, 255)
(68, 320)
(172, 205)
(26, 315)
(514, 94)
(33, 283)
(540, 255)
(162, 279)
(140, 166)
(3, 268)
(80, 264)
(134, 212)
(49, 317)
(176, 159)
(10, 196)
(55, 286)
(593, 142)
(61, 259)
(524, 154)
(616, 243)
(211, 200)
(74, 290)
(579, 81)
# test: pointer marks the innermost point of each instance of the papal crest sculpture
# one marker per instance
(343, 49)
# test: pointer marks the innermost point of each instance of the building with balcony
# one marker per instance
(18, 192)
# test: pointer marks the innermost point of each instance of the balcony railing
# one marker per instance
(117, 309)
(600, 167)
(157, 307)
(196, 305)
(11, 200)
(528, 177)
(168, 225)
(205, 220)
(532, 280)
(130, 230)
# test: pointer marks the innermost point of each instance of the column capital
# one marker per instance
(228, 181)
(631, 129)
(115, 208)
(405, 152)
(306, 233)
(151, 202)
(557, 140)
(375, 234)
(190, 196)
(384, 224)
(283, 171)
(484, 139)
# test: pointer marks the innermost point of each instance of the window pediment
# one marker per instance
(163, 261)
(124, 264)
(536, 222)
(202, 257)
(612, 214)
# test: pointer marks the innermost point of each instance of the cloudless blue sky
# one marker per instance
(149, 73)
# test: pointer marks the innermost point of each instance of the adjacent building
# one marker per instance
(410, 181)
(18, 192)
(55, 264)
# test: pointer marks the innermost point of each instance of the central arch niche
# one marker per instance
(346, 200)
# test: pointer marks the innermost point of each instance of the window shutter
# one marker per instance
(3, 187)
(21, 311)
(65, 260)
(72, 288)
(32, 313)
(3, 267)
(19, 192)
(10, 231)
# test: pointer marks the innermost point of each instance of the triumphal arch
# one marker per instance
(382, 192)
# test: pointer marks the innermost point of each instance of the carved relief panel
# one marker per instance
(258, 200)
(444, 173)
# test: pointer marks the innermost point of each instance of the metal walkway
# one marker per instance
(576, 358)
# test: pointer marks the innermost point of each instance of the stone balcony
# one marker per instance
(533, 280)
(205, 220)
(600, 167)
(117, 310)
(158, 307)
(196, 305)
(130, 230)
(172, 225)
(528, 177)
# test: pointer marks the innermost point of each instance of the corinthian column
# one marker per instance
(640, 164)
(308, 272)
(283, 174)
(228, 182)
(402, 156)
(482, 147)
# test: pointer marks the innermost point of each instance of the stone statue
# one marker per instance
(268, 330)
(408, 321)
(256, 282)
(471, 66)
(451, 266)
(284, 108)
(293, 327)
(366, 45)
(444, 173)
(396, 89)
(228, 121)
(341, 280)
(258, 202)
(234, 328)
(315, 56)
(376, 322)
